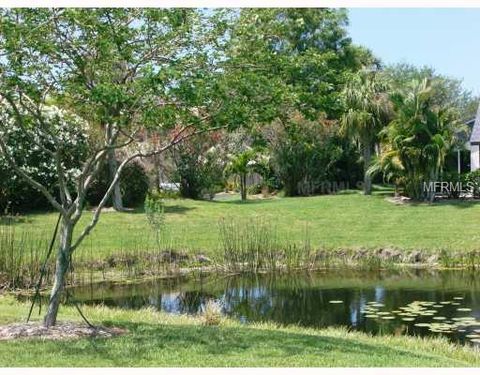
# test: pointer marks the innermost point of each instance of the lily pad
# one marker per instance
(473, 336)
(422, 325)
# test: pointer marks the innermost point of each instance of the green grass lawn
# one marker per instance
(159, 339)
(335, 221)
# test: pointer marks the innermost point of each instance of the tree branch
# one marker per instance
(96, 215)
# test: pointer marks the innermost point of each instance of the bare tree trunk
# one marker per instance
(367, 180)
(243, 186)
(61, 269)
(117, 201)
(157, 168)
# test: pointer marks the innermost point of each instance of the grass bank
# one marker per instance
(159, 339)
(347, 225)
(334, 221)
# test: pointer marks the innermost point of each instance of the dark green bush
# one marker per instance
(199, 166)
(473, 180)
(310, 157)
(133, 184)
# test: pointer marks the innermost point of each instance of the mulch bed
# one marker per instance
(61, 331)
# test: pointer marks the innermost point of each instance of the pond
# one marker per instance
(414, 302)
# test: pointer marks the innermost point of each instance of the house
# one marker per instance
(474, 143)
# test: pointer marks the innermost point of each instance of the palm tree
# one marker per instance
(241, 165)
(388, 164)
(368, 111)
(421, 136)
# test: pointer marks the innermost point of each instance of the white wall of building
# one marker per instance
(474, 157)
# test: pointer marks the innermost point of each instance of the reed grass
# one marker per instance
(21, 256)
(256, 245)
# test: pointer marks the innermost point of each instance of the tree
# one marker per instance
(419, 137)
(110, 74)
(306, 51)
(240, 165)
(449, 90)
(367, 111)
(109, 62)
(17, 194)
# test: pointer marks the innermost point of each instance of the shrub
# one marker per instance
(167, 194)
(133, 185)
(473, 179)
(199, 166)
(154, 210)
(309, 155)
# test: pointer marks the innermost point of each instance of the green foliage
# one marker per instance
(367, 112)
(473, 179)
(448, 92)
(310, 156)
(303, 53)
(167, 194)
(199, 166)
(155, 213)
(134, 185)
(420, 137)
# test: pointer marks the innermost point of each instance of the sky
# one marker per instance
(446, 39)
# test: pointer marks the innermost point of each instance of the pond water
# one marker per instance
(415, 302)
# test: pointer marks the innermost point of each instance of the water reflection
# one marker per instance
(305, 298)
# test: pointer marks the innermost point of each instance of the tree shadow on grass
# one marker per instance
(168, 209)
(196, 345)
(456, 203)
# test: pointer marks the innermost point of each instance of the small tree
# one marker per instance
(114, 73)
(155, 212)
(49, 128)
(239, 166)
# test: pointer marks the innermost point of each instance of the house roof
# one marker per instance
(475, 136)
